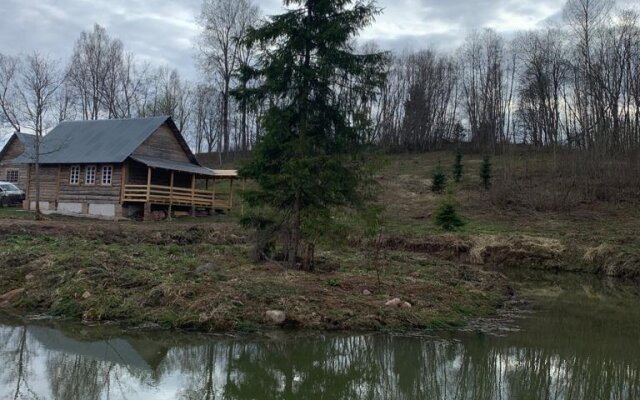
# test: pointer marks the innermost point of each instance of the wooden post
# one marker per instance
(213, 195)
(231, 194)
(147, 204)
(57, 199)
(170, 197)
(125, 171)
(193, 195)
(148, 184)
(28, 199)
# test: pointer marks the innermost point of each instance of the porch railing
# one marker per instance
(156, 194)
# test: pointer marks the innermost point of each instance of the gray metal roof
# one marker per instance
(102, 141)
(174, 165)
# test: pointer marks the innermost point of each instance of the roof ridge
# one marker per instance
(72, 121)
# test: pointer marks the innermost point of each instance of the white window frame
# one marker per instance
(107, 177)
(74, 175)
(90, 179)
(17, 175)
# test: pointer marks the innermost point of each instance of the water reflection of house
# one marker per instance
(133, 353)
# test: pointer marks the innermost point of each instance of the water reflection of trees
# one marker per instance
(327, 367)
(383, 367)
(16, 366)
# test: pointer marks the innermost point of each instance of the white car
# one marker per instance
(10, 194)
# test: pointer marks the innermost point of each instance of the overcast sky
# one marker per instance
(162, 31)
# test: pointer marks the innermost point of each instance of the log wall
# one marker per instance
(55, 185)
(163, 144)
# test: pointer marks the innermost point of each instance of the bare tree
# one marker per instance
(94, 72)
(544, 72)
(170, 96)
(222, 49)
(206, 107)
(38, 80)
(483, 85)
(429, 109)
(9, 71)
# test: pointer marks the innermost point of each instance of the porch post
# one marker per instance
(213, 195)
(58, 186)
(147, 204)
(170, 197)
(123, 187)
(193, 195)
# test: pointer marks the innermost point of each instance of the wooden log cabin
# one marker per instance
(124, 168)
(19, 144)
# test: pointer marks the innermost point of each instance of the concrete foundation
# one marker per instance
(75, 208)
(102, 210)
(44, 205)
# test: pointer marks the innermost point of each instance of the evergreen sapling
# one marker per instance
(438, 180)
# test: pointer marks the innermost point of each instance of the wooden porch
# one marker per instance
(170, 195)
(182, 187)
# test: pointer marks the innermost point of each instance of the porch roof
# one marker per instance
(173, 165)
(184, 167)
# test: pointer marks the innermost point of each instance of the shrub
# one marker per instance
(447, 218)
(485, 172)
(438, 180)
(458, 168)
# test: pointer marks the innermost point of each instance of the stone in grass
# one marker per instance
(276, 317)
(393, 302)
(366, 292)
(206, 269)
(397, 303)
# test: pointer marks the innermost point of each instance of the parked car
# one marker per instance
(10, 194)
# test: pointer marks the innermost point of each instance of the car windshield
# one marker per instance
(7, 187)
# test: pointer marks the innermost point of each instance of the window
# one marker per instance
(90, 175)
(13, 175)
(107, 175)
(74, 175)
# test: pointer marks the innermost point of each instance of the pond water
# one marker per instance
(580, 339)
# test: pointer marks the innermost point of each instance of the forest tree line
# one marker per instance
(575, 84)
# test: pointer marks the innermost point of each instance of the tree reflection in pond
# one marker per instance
(326, 367)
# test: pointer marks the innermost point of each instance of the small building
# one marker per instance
(123, 168)
(17, 145)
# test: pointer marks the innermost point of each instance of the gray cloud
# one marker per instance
(162, 31)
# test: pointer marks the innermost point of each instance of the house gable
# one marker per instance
(164, 144)
(10, 171)
(11, 151)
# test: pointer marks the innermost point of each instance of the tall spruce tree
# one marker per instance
(306, 162)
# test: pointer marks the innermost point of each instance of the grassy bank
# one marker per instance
(197, 273)
(200, 277)
(501, 230)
